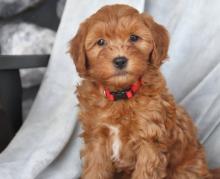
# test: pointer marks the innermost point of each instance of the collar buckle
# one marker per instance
(123, 94)
(120, 94)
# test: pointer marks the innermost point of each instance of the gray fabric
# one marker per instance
(47, 146)
(193, 68)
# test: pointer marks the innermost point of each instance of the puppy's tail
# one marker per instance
(215, 173)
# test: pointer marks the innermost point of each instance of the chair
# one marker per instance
(11, 92)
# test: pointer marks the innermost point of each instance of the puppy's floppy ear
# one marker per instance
(161, 40)
(77, 50)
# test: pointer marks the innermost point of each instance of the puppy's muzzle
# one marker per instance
(120, 62)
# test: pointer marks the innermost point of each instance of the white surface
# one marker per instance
(25, 38)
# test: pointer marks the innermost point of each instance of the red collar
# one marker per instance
(123, 94)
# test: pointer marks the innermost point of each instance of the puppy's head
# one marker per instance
(117, 45)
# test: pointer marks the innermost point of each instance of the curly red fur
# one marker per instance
(148, 136)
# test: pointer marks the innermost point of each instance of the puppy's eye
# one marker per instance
(133, 38)
(101, 42)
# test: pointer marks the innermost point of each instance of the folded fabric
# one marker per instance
(193, 70)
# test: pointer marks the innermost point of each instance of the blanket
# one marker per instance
(193, 68)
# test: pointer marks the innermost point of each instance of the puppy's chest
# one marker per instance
(123, 125)
(126, 127)
(119, 124)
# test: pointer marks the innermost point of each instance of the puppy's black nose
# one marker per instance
(120, 62)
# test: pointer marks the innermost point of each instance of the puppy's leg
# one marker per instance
(122, 176)
(96, 161)
(151, 163)
(193, 167)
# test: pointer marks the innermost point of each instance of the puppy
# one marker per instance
(132, 127)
